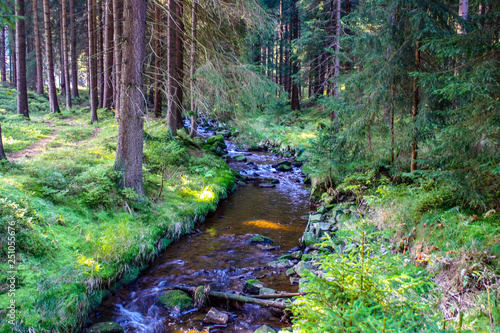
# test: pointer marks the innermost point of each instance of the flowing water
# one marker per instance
(220, 255)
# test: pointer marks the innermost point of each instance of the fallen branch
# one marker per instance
(238, 298)
(283, 295)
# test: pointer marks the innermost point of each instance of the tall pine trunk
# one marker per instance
(179, 60)
(463, 12)
(13, 55)
(74, 59)
(294, 34)
(64, 54)
(414, 145)
(192, 81)
(131, 114)
(92, 61)
(158, 56)
(171, 41)
(117, 50)
(100, 52)
(54, 103)
(2, 152)
(3, 67)
(108, 55)
(336, 68)
(38, 49)
(21, 84)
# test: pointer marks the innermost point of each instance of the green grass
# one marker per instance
(76, 229)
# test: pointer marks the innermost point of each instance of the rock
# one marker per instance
(251, 163)
(321, 210)
(255, 147)
(294, 281)
(253, 286)
(264, 329)
(309, 239)
(240, 158)
(216, 138)
(290, 272)
(267, 291)
(284, 168)
(267, 247)
(267, 185)
(277, 165)
(321, 228)
(106, 327)
(315, 218)
(297, 254)
(306, 257)
(173, 298)
(287, 257)
(301, 266)
(216, 317)
(297, 164)
(259, 239)
(279, 264)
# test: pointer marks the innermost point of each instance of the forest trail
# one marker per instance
(40, 146)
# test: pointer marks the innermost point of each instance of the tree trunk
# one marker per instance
(74, 58)
(100, 53)
(281, 45)
(108, 55)
(131, 116)
(336, 68)
(13, 55)
(92, 62)
(294, 34)
(463, 12)
(54, 103)
(179, 60)
(2, 152)
(3, 67)
(117, 57)
(158, 56)
(64, 54)
(22, 97)
(194, 114)
(38, 49)
(414, 145)
(171, 41)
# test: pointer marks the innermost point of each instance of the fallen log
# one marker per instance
(238, 298)
(283, 295)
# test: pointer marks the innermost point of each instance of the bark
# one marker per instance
(194, 114)
(3, 67)
(281, 44)
(100, 53)
(38, 49)
(92, 61)
(54, 103)
(108, 55)
(2, 152)
(74, 57)
(463, 12)
(295, 102)
(414, 145)
(336, 68)
(179, 60)
(131, 114)
(64, 54)
(239, 298)
(171, 39)
(13, 55)
(117, 57)
(21, 84)
(158, 56)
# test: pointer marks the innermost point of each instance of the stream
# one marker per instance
(221, 255)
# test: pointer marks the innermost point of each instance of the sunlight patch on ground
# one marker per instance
(263, 224)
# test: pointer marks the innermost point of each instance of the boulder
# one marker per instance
(240, 158)
(264, 329)
(309, 239)
(290, 272)
(267, 291)
(276, 165)
(284, 168)
(216, 317)
(321, 228)
(253, 286)
(279, 264)
(106, 327)
(267, 185)
(173, 298)
(301, 266)
(315, 217)
(287, 257)
(294, 281)
(255, 147)
(321, 210)
(216, 138)
(307, 257)
(259, 239)
(266, 247)
(297, 254)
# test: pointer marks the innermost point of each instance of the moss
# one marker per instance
(106, 327)
(253, 286)
(259, 239)
(173, 298)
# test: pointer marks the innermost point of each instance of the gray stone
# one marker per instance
(264, 329)
(301, 266)
(297, 254)
(279, 264)
(294, 281)
(267, 185)
(240, 158)
(265, 247)
(253, 286)
(309, 239)
(321, 209)
(315, 218)
(216, 317)
(284, 168)
(106, 327)
(267, 291)
(259, 239)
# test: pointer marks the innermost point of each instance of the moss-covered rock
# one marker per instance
(309, 239)
(264, 329)
(284, 168)
(279, 264)
(106, 327)
(173, 298)
(253, 286)
(216, 138)
(287, 257)
(240, 158)
(259, 239)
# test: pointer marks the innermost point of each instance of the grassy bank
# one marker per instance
(76, 231)
(410, 254)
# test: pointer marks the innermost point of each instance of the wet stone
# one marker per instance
(253, 286)
(267, 185)
(106, 327)
(216, 317)
(267, 291)
(175, 298)
(297, 254)
(264, 329)
(309, 239)
(284, 168)
(259, 239)
(279, 264)
(267, 247)
(294, 281)
(301, 266)
(315, 218)
(240, 158)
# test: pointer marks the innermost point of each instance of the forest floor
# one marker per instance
(76, 231)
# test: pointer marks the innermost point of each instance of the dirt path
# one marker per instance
(37, 148)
